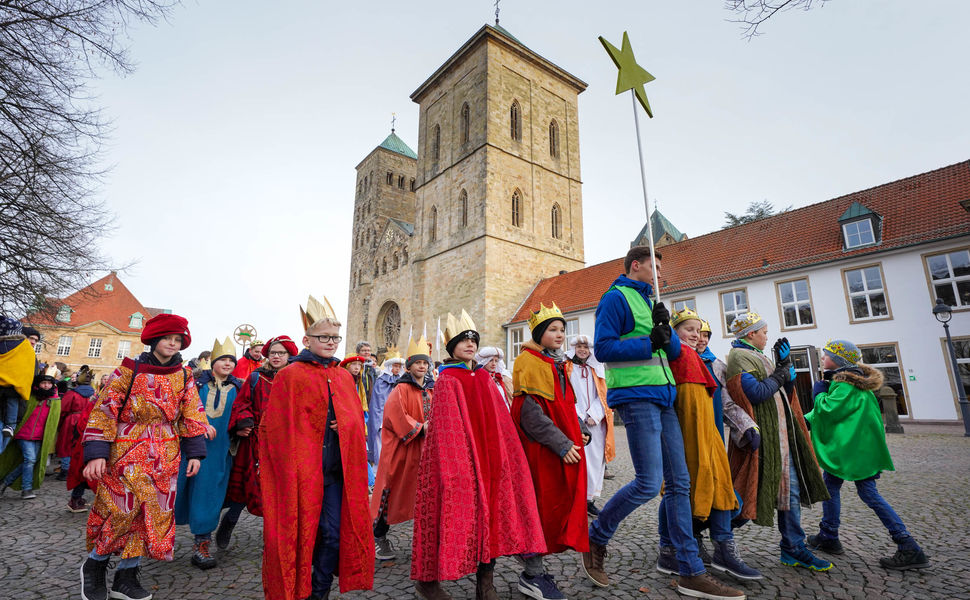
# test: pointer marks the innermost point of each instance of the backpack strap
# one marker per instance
(253, 380)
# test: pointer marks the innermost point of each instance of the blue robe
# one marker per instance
(199, 499)
(375, 415)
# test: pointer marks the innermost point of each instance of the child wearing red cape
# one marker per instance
(316, 521)
(475, 499)
(553, 436)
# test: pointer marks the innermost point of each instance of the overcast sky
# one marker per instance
(235, 141)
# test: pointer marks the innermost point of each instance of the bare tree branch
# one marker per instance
(51, 133)
(753, 13)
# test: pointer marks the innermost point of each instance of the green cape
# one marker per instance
(12, 456)
(847, 429)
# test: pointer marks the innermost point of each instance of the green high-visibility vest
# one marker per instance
(634, 373)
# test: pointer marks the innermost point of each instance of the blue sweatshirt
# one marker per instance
(614, 318)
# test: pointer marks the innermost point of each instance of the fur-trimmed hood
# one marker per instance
(861, 376)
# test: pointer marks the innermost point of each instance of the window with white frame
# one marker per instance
(858, 233)
(885, 358)
(683, 303)
(796, 303)
(572, 328)
(94, 348)
(64, 345)
(866, 292)
(517, 341)
(124, 349)
(733, 303)
(950, 276)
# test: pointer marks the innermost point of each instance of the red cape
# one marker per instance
(75, 472)
(72, 405)
(475, 499)
(291, 477)
(245, 367)
(250, 403)
(560, 488)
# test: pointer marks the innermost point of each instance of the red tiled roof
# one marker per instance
(914, 210)
(95, 303)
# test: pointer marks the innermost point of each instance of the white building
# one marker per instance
(867, 267)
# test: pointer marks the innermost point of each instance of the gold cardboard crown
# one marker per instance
(316, 310)
(545, 313)
(685, 314)
(392, 352)
(421, 346)
(226, 348)
(455, 326)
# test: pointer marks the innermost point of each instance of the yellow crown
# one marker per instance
(419, 347)
(226, 348)
(545, 313)
(685, 315)
(392, 352)
(455, 326)
(316, 310)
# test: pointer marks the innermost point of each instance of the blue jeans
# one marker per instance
(866, 488)
(65, 463)
(657, 450)
(719, 522)
(10, 409)
(29, 448)
(790, 521)
(326, 550)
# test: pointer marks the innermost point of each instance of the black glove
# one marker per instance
(660, 314)
(782, 350)
(660, 336)
(781, 374)
(752, 437)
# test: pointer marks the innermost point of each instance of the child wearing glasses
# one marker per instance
(315, 504)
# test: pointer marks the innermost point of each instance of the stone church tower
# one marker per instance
(497, 200)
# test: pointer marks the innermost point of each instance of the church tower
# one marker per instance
(381, 245)
(499, 197)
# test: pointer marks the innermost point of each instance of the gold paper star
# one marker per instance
(631, 76)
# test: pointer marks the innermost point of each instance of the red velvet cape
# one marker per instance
(475, 499)
(291, 477)
(250, 403)
(560, 488)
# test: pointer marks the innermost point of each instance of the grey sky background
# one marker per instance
(235, 141)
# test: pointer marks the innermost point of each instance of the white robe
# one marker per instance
(590, 409)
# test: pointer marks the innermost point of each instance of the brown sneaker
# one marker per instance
(431, 590)
(484, 587)
(592, 564)
(705, 586)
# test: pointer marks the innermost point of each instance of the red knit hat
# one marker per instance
(166, 324)
(288, 344)
(351, 359)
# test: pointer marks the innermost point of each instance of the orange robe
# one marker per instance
(291, 478)
(402, 438)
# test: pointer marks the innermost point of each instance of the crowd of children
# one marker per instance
(331, 453)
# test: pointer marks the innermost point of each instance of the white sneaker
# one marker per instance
(27, 495)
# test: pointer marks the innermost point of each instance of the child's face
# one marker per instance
(554, 335)
(278, 356)
(465, 350)
(45, 385)
(758, 339)
(418, 370)
(702, 342)
(582, 351)
(355, 367)
(323, 349)
(689, 332)
(168, 346)
(492, 364)
(223, 367)
(396, 369)
(827, 363)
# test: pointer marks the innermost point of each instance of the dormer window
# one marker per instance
(64, 314)
(860, 227)
(135, 321)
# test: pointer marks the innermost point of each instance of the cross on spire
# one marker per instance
(496, 11)
(393, 121)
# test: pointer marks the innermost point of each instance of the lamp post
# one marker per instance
(943, 312)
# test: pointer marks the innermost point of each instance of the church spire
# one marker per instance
(496, 12)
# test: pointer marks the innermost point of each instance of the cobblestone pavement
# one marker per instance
(41, 544)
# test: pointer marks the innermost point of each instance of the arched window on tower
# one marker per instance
(517, 208)
(465, 122)
(515, 121)
(400, 182)
(377, 268)
(395, 261)
(412, 184)
(436, 143)
(556, 221)
(554, 139)
(404, 255)
(433, 225)
(463, 208)
(384, 266)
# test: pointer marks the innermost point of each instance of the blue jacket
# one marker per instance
(614, 318)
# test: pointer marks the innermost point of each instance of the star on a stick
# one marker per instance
(631, 76)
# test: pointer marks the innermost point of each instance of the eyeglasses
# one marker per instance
(278, 353)
(323, 339)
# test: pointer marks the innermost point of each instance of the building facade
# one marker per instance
(98, 326)
(867, 267)
(496, 185)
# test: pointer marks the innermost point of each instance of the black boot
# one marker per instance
(484, 586)
(93, 585)
(905, 559)
(827, 545)
(127, 587)
(224, 532)
(702, 550)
